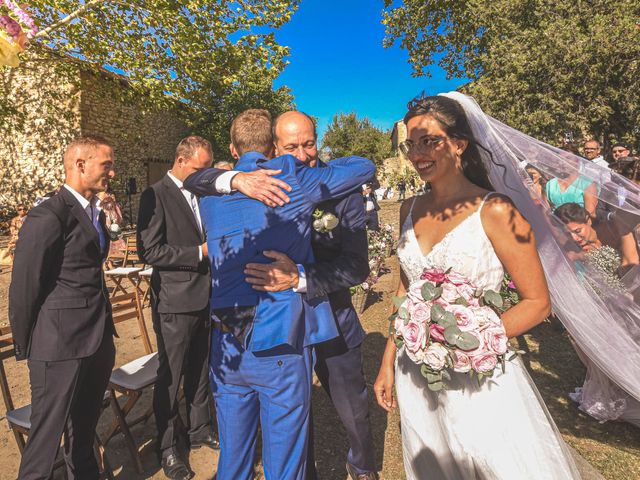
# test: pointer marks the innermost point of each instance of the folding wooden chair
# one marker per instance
(131, 379)
(19, 419)
(144, 286)
(119, 275)
(132, 258)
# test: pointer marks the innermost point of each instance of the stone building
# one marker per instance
(399, 165)
(51, 99)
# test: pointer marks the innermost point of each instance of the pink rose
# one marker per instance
(467, 292)
(486, 317)
(511, 285)
(449, 292)
(398, 324)
(435, 275)
(420, 312)
(414, 335)
(462, 363)
(415, 291)
(457, 279)
(465, 318)
(484, 363)
(436, 356)
(437, 332)
(496, 340)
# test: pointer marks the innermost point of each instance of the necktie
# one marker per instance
(194, 207)
(92, 211)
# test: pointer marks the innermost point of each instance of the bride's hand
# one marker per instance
(383, 387)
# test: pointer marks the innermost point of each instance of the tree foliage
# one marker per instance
(204, 53)
(546, 67)
(349, 135)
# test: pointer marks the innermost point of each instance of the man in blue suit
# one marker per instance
(341, 261)
(261, 361)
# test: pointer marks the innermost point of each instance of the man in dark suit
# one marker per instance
(341, 261)
(61, 317)
(172, 240)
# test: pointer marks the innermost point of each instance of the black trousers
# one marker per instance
(66, 398)
(183, 353)
(339, 370)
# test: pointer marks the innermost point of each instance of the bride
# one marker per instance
(500, 429)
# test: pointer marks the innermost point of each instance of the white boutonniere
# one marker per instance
(324, 222)
(115, 231)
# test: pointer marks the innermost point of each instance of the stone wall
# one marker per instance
(40, 116)
(52, 99)
(139, 136)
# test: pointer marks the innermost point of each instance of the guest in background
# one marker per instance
(371, 207)
(573, 188)
(620, 150)
(16, 225)
(539, 182)
(113, 216)
(223, 165)
(402, 188)
(589, 236)
(592, 152)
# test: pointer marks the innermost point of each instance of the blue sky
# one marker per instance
(338, 64)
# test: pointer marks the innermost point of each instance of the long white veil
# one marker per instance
(603, 322)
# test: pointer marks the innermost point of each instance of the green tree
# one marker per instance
(349, 135)
(546, 67)
(203, 53)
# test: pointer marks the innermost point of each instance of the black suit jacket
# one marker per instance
(58, 304)
(341, 261)
(168, 239)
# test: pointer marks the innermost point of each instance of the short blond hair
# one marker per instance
(85, 143)
(251, 132)
(188, 146)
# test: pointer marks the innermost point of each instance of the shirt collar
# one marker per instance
(83, 201)
(179, 183)
(250, 161)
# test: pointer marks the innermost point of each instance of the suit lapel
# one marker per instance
(107, 238)
(174, 192)
(81, 216)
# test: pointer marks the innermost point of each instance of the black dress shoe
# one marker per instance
(210, 440)
(175, 469)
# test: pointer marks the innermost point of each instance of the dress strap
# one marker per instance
(412, 204)
(483, 200)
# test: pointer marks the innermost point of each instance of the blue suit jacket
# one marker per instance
(342, 261)
(239, 229)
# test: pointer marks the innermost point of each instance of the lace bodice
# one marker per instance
(466, 249)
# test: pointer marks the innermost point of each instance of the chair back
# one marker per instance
(6, 351)
(126, 307)
(131, 253)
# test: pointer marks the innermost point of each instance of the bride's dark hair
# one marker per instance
(451, 116)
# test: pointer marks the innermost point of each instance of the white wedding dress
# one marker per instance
(500, 430)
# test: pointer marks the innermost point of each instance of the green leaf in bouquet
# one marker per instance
(436, 386)
(392, 330)
(502, 363)
(513, 356)
(451, 334)
(433, 377)
(462, 340)
(398, 301)
(438, 293)
(447, 320)
(446, 375)
(403, 313)
(398, 341)
(462, 301)
(437, 312)
(428, 292)
(425, 370)
(493, 298)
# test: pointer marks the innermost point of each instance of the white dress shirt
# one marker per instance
(93, 209)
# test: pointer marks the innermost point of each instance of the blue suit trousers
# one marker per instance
(274, 388)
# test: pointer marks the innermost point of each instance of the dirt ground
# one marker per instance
(613, 448)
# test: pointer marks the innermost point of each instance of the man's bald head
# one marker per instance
(295, 134)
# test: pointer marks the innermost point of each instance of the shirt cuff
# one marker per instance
(199, 253)
(223, 182)
(302, 280)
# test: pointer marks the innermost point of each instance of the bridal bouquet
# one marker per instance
(446, 324)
